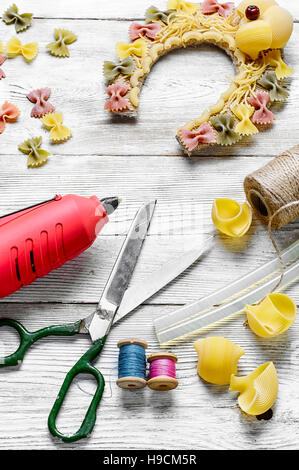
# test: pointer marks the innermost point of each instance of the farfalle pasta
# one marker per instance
(231, 218)
(217, 359)
(252, 35)
(2, 60)
(111, 69)
(36, 156)
(58, 132)
(258, 390)
(260, 101)
(8, 113)
(117, 102)
(14, 47)
(63, 38)
(271, 317)
(40, 98)
(22, 21)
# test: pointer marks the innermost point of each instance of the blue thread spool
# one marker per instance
(131, 364)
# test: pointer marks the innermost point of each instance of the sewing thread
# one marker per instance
(162, 373)
(131, 364)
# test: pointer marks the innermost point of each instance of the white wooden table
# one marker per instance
(138, 160)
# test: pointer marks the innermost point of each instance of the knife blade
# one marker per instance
(154, 282)
(121, 273)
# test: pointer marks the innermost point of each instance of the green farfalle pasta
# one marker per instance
(269, 82)
(36, 156)
(154, 14)
(21, 21)
(63, 37)
(224, 125)
(111, 69)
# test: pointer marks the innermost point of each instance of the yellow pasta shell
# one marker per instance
(281, 23)
(231, 218)
(258, 390)
(273, 316)
(217, 359)
(254, 37)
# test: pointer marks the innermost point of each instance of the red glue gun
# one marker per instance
(40, 238)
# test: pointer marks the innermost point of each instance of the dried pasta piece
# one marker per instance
(273, 316)
(260, 102)
(149, 30)
(2, 60)
(111, 70)
(258, 390)
(183, 7)
(270, 83)
(14, 47)
(231, 218)
(204, 134)
(154, 14)
(117, 102)
(138, 48)
(63, 37)
(8, 113)
(273, 59)
(244, 113)
(217, 359)
(224, 125)
(58, 132)
(36, 156)
(212, 6)
(40, 98)
(21, 21)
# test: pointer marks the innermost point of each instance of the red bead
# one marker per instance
(252, 12)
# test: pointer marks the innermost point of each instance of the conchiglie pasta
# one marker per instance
(272, 317)
(231, 218)
(258, 390)
(217, 359)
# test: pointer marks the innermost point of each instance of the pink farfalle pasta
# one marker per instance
(260, 102)
(150, 30)
(40, 98)
(204, 134)
(212, 6)
(2, 60)
(8, 113)
(117, 102)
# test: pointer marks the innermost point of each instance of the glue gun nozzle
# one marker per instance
(110, 204)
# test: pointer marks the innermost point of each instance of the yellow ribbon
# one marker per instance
(137, 47)
(244, 113)
(28, 51)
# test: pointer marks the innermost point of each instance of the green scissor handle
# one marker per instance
(84, 365)
(27, 338)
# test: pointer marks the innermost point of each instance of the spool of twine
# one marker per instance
(273, 190)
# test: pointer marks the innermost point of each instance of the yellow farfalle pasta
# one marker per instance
(217, 359)
(14, 47)
(137, 47)
(231, 218)
(273, 316)
(258, 390)
(180, 5)
(274, 59)
(1, 47)
(58, 132)
(244, 113)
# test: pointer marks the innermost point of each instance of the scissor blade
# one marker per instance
(121, 273)
(143, 290)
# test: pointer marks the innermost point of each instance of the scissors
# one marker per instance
(115, 303)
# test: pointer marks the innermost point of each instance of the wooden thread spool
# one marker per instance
(131, 362)
(162, 371)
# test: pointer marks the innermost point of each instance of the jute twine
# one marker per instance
(275, 187)
(273, 192)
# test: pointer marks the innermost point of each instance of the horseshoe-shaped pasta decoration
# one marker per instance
(253, 34)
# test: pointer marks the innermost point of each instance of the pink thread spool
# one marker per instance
(162, 371)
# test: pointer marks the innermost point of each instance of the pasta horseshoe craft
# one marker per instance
(253, 34)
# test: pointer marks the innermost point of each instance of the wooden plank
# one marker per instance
(179, 87)
(118, 9)
(184, 418)
(184, 192)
